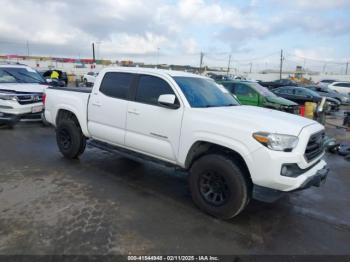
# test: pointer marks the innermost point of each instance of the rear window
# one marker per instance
(116, 84)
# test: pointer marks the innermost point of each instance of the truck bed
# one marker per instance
(72, 99)
(73, 89)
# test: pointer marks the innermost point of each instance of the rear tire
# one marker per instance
(70, 140)
(218, 186)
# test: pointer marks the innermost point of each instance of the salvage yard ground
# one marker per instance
(107, 204)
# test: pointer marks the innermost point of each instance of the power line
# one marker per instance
(317, 60)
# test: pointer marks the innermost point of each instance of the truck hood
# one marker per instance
(259, 119)
(23, 87)
(280, 101)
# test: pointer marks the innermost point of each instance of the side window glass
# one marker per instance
(230, 87)
(115, 84)
(150, 88)
(242, 90)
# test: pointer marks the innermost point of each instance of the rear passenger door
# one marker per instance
(153, 129)
(108, 106)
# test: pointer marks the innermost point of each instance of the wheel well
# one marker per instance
(66, 115)
(201, 148)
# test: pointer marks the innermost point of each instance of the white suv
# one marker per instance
(21, 93)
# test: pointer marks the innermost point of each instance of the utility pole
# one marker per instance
(251, 65)
(346, 68)
(324, 67)
(229, 64)
(93, 53)
(157, 57)
(201, 61)
(281, 64)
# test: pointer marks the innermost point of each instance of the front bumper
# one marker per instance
(265, 165)
(11, 111)
(14, 108)
(8, 119)
(316, 180)
(270, 195)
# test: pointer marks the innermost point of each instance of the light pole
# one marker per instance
(157, 56)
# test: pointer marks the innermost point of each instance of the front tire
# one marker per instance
(70, 140)
(218, 186)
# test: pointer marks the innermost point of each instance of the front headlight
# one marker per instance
(278, 142)
(8, 97)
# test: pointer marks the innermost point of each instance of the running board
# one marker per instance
(128, 153)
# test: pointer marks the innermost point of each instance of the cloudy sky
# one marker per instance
(252, 31)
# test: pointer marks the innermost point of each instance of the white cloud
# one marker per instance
(317, 53)
(190, 46)
(140, 27)
(321, 3)
(131, 44)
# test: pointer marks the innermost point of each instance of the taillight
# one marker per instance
(44, 98)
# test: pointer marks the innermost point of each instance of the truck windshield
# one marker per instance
(20, 75)
(261, 89)
(202, 92)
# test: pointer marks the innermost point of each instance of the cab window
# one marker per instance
(150, 88)
(116, 85)
(244, 90)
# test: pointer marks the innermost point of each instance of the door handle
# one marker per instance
(133, 111)
(96, 103)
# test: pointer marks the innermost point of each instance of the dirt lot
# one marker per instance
(107, 204)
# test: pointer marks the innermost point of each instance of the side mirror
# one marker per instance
(168, 100)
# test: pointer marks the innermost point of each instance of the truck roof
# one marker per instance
(141, 70)
(14, 65)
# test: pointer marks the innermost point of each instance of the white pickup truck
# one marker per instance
(232, 152)
(21, 91)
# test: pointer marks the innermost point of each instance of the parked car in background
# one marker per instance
(21, 93)
(340, 87)
(302, 95)
(252, 93)
(62, 77)
(278, 83)
(327, 92)
(232, 152)
(89, 78)
(326, 82)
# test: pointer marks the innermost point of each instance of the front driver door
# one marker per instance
(153, 129)
(246, 95)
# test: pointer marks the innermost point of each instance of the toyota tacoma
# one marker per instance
(232, 152)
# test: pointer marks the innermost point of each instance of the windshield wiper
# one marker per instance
(219, 105)
(15, 77)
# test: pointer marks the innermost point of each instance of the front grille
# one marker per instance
(25, 99)
(315, 147)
